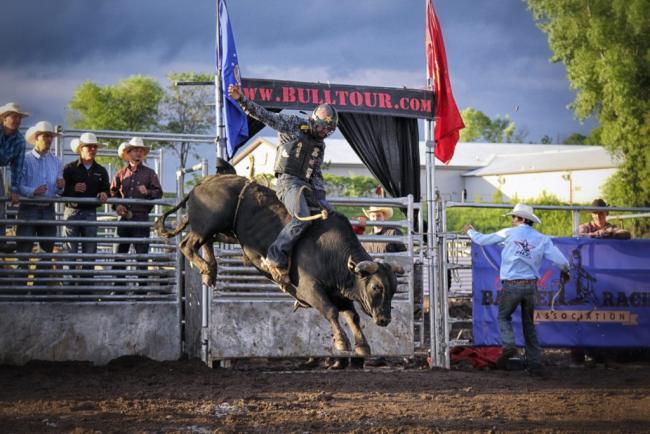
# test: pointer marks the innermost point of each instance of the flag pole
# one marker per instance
(218, 92)
(432, 240)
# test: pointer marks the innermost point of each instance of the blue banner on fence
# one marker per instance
(606, 303)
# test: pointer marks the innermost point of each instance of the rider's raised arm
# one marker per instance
(288, 124)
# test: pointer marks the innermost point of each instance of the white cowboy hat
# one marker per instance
(12, 107)
(83, 140)
(388, 212)
(40, 127)
(525, 212)
(135, 142)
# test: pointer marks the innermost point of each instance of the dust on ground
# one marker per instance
(139, 395)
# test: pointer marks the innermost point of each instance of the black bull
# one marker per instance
(329, 268)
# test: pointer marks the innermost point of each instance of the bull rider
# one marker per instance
(297, 167)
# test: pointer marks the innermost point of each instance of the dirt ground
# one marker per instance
(139, 395)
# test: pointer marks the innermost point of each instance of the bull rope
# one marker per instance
(239, 199)
(322, 215)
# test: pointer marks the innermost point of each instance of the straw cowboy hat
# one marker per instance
(135, 142)
(388, 212)
(525, 212)
(83, 140)
(12, 107)
(40, 127)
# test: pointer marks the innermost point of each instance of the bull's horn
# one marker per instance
(397, 268)
(366, 267)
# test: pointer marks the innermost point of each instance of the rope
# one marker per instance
(487, 258)
(322, 215)
(560, 290)
(239, 199)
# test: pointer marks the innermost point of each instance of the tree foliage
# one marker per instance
(187, 110)
(576, 139)
(479, 127)
(605, 46)
(350, 186)
(486, 220)
(130, 105)
(140, 103)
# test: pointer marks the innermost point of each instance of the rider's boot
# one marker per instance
(280, 275)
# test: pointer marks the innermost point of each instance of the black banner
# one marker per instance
(295, 95)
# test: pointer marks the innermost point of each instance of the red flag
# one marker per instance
(448, 120)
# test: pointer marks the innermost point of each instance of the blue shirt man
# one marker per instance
(42, 177)
(523, 251)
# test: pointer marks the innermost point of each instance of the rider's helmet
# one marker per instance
(323, 120)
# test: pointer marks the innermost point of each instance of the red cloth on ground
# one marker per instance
(481, 357)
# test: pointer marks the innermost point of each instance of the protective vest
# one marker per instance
(298, 155)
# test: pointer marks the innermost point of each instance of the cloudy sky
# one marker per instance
(498, 58)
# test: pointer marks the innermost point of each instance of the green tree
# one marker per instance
(546, 140)
(605, 46)
(479, 127)
(576, 139)
(187, 110)
(130, 105)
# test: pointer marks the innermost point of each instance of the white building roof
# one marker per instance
(467, 155)
(551, 160)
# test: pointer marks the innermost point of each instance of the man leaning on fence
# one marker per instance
(599, 227)
(12, 153)
(42, 177)
(521, 258)
(86, 178)
(135, 181)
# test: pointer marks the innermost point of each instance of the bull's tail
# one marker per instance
(159, 225)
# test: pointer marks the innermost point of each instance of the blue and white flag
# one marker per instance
(234, 117)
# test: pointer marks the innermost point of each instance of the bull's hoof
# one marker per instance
(362, 350)
(342, 343)
(338, 364)
(209, 280)
(299, 304)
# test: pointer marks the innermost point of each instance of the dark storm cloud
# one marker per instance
(498, 59)
(64, 31)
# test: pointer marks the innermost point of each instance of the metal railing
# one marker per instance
(105, 275)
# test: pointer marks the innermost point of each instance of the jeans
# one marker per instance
(33, 213)
(73, 214)
(291, 193)
(514, 295)
(3, 206)
(140, 248)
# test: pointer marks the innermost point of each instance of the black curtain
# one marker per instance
(388, 146)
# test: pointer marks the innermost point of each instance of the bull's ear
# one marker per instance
(397, 269)
(351, 264)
